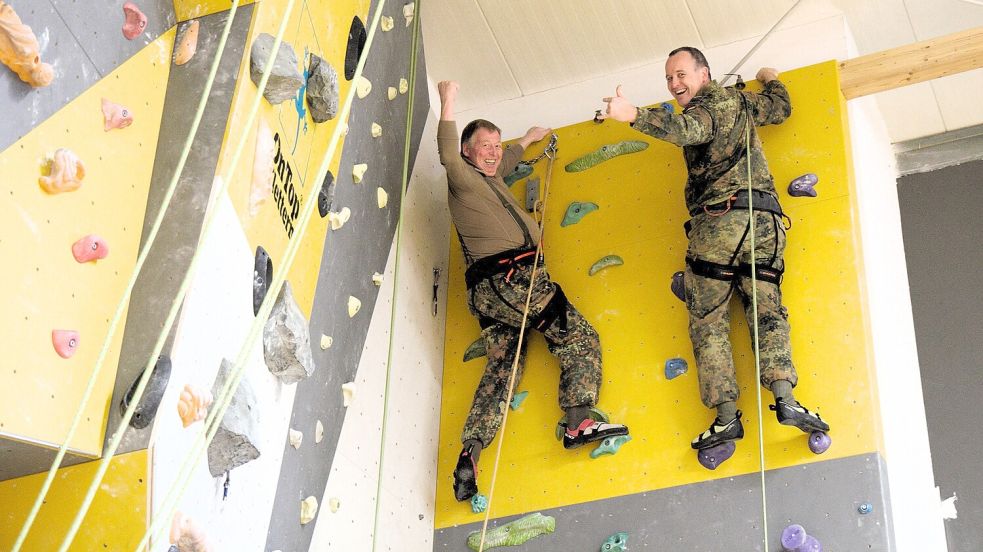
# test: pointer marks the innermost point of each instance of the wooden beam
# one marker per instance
(912, 63)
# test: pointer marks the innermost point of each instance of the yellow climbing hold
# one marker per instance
(358, 171)
(382, 197)
(308, 509)
(348, 392)
(362, 86)
(295, 437)
(391, 92)
(353, 306)
(404, 86)
(386, 23)
(326, 341)
(318, 432)
(377, 279)
(334, 504)
(376, 130)
(338, 219)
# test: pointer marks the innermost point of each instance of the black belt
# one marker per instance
(496, 264)
(763, 201)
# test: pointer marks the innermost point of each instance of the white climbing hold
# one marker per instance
(362, 86)
(358, 171)
(326, 341)
(382, 197)
(376, 130)
(408, 10)
(348, 392)
(353, 305)
(295, 437)
(949, 507)
(344, 129)
(308, 509)
(391, 92)
(318, 432)
(386, 23)
(404, 86)
(377, 279)
(338, 219)
(334, 504)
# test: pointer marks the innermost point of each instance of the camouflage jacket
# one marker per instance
(711, 131)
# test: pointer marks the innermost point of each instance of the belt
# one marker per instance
(763, 201)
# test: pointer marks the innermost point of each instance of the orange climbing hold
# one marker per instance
(115, 115)
(20, 51)
(65, 172)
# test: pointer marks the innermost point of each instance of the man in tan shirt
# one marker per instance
(499, 240)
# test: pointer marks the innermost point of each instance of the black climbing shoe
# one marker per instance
(589, 431)
(465, 475)
(719, 432)
(794, 414)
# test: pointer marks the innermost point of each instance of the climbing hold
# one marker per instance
(235, 442)
(358, 171)
(377, 278)
(325, 197)
(66, 342)
(515, 532)
(356, 42)
(712, 457)
(391, 92)
(188, 536)
(295, 438)
(90, 248)
(153, 393)
(386, 23)
(115, 115)
(19, 49)
(187, 42)
(62, 172)
(362, 86)
(338, 219)
(322, 90)
(675, 367)
(263, 167)
(803, 186)
(285, 79)
(795, 539)
(348, 392)
(287, 340)
(318, 432)
(819, 442)
(606, 152)
(381, 197)
(517, 399)
(668, 107)
(308, 509)
(611, 445)
(617, 542)
(193, 403)
(353, 306)
(604, 262)
(521, 171)
(479, 503)
(344, 129)
(475, 349)
(678, 285)
(326, 341)
(404, 86)
(134, 21)
(408, 9)
(376, 130)
(262, 276)
(334, 504)
(576, 211)
(865, 508)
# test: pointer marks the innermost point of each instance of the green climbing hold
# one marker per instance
(604, 262)
(608, 151)
(596, 414)
(576, 211)
(475, 349)
(518, 398)
(521, 171)
(515, 532)
(617, 542)
(610, 445)
(479, 503)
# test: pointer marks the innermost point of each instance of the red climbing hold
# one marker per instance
(135, 22)
(90, 248)
(66, 342)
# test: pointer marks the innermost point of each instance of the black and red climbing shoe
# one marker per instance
(794, 414)
(719, 432)
(589, 431)
(465, 476)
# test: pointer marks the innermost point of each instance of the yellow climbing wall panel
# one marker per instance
(43, 283)
(190, 9)
(302, 142)
(642, 324)
(116, 520)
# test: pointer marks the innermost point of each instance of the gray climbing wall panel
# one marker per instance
(724, 514)
(351, 256)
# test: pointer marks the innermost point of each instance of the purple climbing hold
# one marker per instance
(819, 442)
(795, 539)
(811, 545)
(678, 286)
(803, 186)
(675, 367)
(712, 457)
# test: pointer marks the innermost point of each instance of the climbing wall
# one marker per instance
(654, 488)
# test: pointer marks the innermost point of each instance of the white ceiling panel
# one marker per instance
(910, 112)
(725, 21)
(460, 46)
(959, 99)
(552, 43)
(932, 18)
(877, 24)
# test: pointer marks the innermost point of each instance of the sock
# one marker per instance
(782, 389)
(576, 415)
(475, 446)
(726, 411)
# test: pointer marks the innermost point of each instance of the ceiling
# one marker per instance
(523, 49)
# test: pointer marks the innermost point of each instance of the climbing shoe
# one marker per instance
(465, 475)
(719, 432)
(794, 414)
(589, 431)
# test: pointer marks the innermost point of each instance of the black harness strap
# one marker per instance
(728, 273)
(494, 264)
(555, 310)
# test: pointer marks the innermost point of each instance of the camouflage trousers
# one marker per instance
(499, 304)
(718, 239)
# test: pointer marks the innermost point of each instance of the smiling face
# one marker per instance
(683, 78)
(484, 149)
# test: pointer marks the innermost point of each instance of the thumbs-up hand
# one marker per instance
(618, 108)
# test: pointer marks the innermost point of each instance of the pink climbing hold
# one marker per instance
(115, 115)
(66, 342)
(65, 172)
(135, 21)
(90, 248)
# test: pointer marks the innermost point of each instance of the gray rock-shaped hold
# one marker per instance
(287, 340)
(285, 79)
(322, 90)
(235, 441)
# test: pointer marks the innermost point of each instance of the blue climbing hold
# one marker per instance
(676, 367)
(479, 503)
(866, 508)
(668, 107)
(517, 399)
(617, 542)
(610, 445)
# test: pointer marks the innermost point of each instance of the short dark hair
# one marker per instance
(701, 60)
(473, 127)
